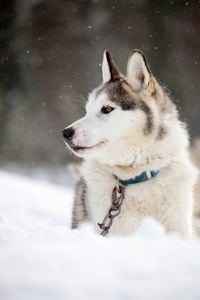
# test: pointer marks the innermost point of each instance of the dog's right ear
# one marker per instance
(109, 69)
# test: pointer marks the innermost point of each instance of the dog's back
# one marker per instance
(195, 155)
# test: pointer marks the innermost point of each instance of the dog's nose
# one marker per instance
(68, 133)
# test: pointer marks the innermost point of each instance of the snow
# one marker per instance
(42, 258)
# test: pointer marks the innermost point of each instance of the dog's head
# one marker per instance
(118, 112)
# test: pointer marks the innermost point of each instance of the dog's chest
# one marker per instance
(134, 207)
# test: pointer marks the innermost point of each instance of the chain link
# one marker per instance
(117, 198)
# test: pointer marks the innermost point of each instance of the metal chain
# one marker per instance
(117, 185)
(116, 207)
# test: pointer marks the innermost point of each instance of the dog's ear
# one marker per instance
(138, 73)
(109, 69)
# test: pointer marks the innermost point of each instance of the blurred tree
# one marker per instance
(10, 79)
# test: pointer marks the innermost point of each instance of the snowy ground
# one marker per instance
(41, 258)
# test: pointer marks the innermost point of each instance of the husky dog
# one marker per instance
(131, 132)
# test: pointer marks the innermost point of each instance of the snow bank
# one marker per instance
(41, 258)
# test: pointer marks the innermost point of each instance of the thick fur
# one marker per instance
(195, 155)
(142, 133)
(80, 210)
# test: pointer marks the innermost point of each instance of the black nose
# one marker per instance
(68, 133)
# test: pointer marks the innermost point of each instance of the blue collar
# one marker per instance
(141, 178)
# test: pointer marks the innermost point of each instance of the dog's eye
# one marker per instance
(106, 109)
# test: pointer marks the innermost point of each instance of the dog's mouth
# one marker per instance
(77, 148)
(80, 149)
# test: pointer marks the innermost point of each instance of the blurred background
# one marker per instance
(50, 57)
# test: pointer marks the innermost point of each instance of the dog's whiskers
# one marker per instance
(82, 100)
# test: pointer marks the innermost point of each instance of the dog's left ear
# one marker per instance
(139, 75)
(109, 69)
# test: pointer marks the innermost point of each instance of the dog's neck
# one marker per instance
(125, 172)
(141, 160)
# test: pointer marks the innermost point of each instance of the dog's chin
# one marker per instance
(86, 151)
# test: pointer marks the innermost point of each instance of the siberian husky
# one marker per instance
(132, 140)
